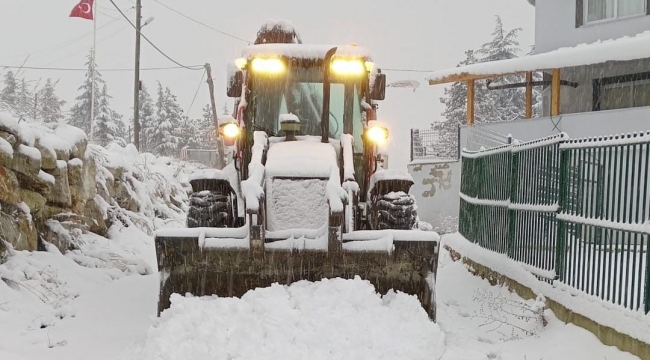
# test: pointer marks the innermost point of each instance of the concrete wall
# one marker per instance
(555, 26)
(436, 189)
(597, 123)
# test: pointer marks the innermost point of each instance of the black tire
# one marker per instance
(210, 209)
(395, 211)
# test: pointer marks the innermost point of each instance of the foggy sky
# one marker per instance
(422, 35)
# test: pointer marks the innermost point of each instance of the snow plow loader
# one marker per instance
(304, 196)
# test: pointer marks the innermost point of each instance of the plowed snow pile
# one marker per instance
(330, 319)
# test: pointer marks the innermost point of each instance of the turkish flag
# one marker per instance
(83, 10)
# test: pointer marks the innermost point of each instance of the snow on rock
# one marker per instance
(6, 148)
(329, 319)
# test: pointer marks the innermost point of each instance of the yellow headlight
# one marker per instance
(378, 134)
(231, 130)
(270, 66)
(348, 67)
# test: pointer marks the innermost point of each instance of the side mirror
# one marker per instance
(235, 82)
(378, 89)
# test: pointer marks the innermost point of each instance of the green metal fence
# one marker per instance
(575, 211)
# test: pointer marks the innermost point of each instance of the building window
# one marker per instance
(598, 10)
(621, 92)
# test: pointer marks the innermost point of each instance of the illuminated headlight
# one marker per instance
(348, 67)
(377, 133)
(230, 130)
(270, 66)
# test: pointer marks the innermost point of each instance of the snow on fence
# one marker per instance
(575, 211)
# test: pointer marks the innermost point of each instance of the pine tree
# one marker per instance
(48, 107)
(80, 112)
(501, 104)
(25, 100)
(8, 94)
(168, 118)
(108, 123)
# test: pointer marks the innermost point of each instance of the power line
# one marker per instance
(82, 50)
(196, 93)
(193, 67)
(149, 41)
(202, 24)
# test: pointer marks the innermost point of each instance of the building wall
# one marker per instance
(555, 26)
(580, 99)
(436, 189)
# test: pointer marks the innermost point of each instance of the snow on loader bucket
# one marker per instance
(225, 262)
(305, 196)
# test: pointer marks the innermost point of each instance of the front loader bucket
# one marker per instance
(201, 264)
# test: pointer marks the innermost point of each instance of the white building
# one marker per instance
(595, 59)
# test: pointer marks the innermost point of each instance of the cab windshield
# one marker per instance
(299, 91)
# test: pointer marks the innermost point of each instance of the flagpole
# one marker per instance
(92, 100)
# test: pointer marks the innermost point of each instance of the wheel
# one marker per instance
(210, 209)
(395, 210)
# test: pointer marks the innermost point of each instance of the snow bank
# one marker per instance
(633, 323)
(329, 319)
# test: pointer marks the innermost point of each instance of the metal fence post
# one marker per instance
(560, 248)
(512, 213)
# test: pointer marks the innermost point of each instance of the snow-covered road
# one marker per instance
(113, 318)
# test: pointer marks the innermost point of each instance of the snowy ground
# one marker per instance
(70, 312)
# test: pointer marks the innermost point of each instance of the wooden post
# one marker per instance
(220, 150)
(470, 102)
(529, 95)
(555, 93)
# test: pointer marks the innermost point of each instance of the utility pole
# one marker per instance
(136, 89)
(215, 121)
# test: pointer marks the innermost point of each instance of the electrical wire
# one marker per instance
(82, 50)
(196, 93)
(202, 24)
(149, 41)
(110, 70)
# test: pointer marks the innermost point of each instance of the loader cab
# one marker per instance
(290, 78)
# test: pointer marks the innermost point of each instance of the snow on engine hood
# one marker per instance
(301, 159)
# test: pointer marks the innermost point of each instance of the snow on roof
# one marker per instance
(622, 49)
(302, 51)
(301, 159)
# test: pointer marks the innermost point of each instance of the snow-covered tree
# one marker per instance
(109, 126)
(9, 91)
(502, 104)
(490, 105)
(198, 133)
(48, 103)
(80, 112)
(167, 120)
(146, 117)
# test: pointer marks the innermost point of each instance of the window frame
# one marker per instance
(584, 21)
(630, 79)
(582, 14)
